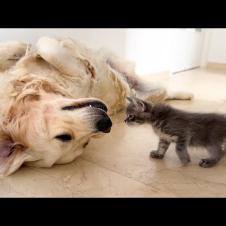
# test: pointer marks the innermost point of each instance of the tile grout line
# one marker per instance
(131, 178)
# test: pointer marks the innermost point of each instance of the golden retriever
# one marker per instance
(57, 95)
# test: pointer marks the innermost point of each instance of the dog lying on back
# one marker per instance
(57, 95)
(206, 130)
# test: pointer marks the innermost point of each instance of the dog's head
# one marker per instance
(46, 128)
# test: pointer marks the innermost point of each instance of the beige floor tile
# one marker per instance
(84, 179)
(205, 84)
(28, 182)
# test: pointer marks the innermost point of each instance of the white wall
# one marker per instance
(149, 48)
(157, 50)
(206, 46)
(111, 38)
(186, 51)
(217, 46)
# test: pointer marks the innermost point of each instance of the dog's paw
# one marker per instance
(156, 155)
(206, 163)
(180, 95)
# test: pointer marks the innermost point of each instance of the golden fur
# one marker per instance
(41, 80)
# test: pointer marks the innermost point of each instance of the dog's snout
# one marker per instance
(104, 124)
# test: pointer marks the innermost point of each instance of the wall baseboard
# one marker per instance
(214, 65)
(188, 69)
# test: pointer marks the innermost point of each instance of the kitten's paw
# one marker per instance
(206, 163)
(185, 161)
(156, 155)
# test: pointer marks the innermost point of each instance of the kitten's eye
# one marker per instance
(131, 117)
(64, 137)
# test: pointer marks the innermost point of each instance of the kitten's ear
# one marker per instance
(140, 104)
(131, 100)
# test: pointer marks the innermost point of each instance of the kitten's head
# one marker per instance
(138, 111)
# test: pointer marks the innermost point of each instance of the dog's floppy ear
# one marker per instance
(12, 155)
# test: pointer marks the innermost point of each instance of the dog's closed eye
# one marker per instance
(64, 137)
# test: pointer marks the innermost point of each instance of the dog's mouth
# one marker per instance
(93, 104)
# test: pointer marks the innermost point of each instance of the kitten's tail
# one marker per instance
(179, 95)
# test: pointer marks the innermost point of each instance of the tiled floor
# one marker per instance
(118, 165)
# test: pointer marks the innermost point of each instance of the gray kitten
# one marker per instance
(184, 128)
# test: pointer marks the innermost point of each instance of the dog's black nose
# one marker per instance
(104, 125)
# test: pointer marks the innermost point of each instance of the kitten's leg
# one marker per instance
(162, 148)
(215, 156)
(182, 152)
